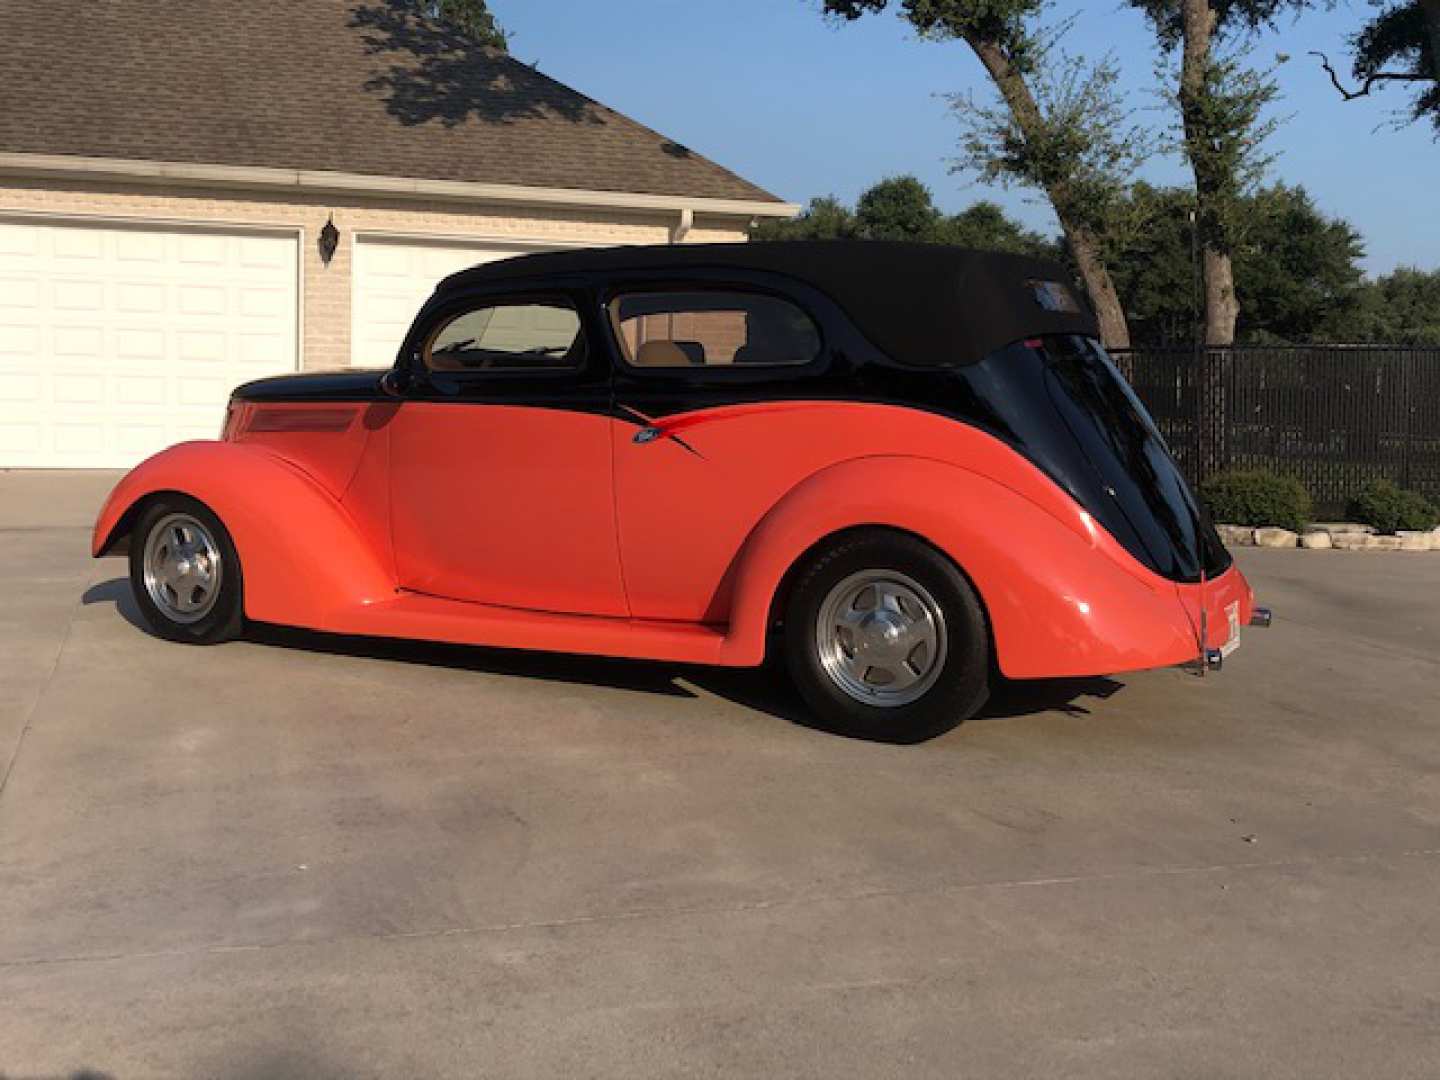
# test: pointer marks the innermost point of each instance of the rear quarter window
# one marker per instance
(712, 329)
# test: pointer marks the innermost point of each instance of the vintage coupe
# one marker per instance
(904, 468)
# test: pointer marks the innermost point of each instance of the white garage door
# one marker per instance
(117, 341)
(393, 278)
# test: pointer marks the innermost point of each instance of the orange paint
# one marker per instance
(494, 525)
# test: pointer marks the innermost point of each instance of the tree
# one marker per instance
(898, 208)
(902, 208)
(1221, 104)
(471, 17)
(1000, 34)
(1297, 271)
(985, 227)
(825, 218)
(1400, 44)
(1401, 308)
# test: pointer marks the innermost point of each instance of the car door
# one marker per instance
(501, 480)
(717, 394)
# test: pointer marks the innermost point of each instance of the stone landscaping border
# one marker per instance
(1342, 536)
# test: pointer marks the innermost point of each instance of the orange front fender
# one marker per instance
(1063, 598)
(301, 555)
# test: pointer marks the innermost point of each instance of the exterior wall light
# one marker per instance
(329, 241)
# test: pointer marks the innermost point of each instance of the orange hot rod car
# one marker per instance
(905, 468)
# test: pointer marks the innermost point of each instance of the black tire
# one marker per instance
(222, 618)
(957, 681)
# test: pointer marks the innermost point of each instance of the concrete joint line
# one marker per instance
(34, 705)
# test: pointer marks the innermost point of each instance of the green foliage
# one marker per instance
(1246, 16)
(1257, 497)
(471, 17)
(1399, 45)
(826, 218)
(1224, 134)
(1391, 508)
(1082, 146)
(902, 208)
(984, 226)
(1004, 22)
(1401, 308)
(897, 208)
(1297, 271)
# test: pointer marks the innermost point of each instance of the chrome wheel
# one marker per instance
(881, 638)
(183, 568)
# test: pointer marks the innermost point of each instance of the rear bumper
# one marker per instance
(1218, 610)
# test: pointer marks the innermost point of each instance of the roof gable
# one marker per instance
(353, 86)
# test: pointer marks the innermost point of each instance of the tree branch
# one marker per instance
(1370, 81)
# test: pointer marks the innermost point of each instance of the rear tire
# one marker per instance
(185, 572)
(886, 639)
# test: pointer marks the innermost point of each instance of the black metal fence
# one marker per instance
(1333, 416)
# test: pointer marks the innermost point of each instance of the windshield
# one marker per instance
(1060, 401)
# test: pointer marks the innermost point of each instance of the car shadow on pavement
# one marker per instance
(769, 690)
(117, 591)
(766, 689)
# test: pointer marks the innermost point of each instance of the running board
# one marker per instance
(459, 622)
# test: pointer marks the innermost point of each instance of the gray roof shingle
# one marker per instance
(355, 86)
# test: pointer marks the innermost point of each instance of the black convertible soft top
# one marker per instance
(920, 303)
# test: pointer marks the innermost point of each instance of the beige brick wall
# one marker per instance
(327, 289)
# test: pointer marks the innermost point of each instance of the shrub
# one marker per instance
(1257, 497)
(1391, 508)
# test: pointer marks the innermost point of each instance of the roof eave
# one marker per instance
(66, 166)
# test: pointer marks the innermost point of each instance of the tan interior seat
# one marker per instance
(663, 353)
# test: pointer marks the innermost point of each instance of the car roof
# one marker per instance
(920, 303)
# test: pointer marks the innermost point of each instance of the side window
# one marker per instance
(520, 335)
(704, 328)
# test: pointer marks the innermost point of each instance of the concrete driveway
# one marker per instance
(293, 857)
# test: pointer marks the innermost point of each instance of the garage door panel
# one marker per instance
(18, 292)
(139, 297)
(79, 295)
(18, 340)
(119, 341)
(16, 386)
(72, 244)
(393, 278)
(19, 439)
(138, 245)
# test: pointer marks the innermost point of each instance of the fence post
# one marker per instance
(1211, 412)
(1406, 382)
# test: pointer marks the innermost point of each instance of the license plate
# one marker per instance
(1232, 616)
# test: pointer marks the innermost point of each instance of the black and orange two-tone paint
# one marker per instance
(954, 399)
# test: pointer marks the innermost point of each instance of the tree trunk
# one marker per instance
(1222, 308)
(1114, 330)
(1085, 246)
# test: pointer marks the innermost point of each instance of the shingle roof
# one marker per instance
(354, 86)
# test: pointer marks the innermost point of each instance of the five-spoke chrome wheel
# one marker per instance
(183, 568)
(881, 637)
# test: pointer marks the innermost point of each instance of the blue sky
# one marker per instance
(804, 108)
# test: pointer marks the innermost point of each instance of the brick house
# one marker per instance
(167, 173)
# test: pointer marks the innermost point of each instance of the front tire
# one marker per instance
(185, 572)
(886, 639)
